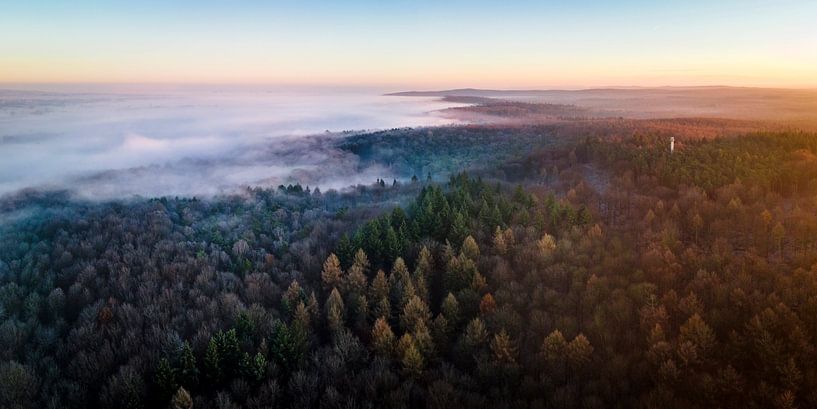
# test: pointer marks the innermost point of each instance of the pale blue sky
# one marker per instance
(511, 44)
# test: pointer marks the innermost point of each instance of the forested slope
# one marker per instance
(687, 280)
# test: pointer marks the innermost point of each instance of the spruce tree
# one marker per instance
(188, 371)
(165, 379)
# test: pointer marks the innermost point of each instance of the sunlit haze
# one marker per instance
(412, 43)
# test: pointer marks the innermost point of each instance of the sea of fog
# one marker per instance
(128, 141)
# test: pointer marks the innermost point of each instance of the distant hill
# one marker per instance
(495, 93)
(796, 106)
(469, 92)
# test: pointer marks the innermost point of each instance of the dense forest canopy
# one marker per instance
(575, 265)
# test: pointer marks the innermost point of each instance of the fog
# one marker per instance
(113, 143)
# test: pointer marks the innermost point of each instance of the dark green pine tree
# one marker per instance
(229, 350)
(245, 367)
(521, 197)
(485, 213)
(288, 346)
(212, 363)
(446, 217)
(459, 228)
(398, 218)
(345, 251)
(165, 379)
(188, 372)
(428, 220)
(259, 367)
(404, 236)
(496, 217)
(244, 326)
(391, 245)
(372, 243)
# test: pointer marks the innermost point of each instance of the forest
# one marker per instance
(575, 264)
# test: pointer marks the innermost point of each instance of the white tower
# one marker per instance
(671, 144)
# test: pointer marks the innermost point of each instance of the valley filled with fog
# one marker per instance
(112, 143)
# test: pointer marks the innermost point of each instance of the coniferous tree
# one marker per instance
(212, 363)
(331, 273)
(554, 348)
(440, 332)
(423, 339)
(546, 246)
(287, 346)
(182, 399)
(402, 287)
(487, 305)
(392, 248)
(451, 309)
(360, 313)
(410, 357)
(382, 308)
(475, 334)
(188, 371)
(500, 244)
(335, 311)
(379, 287)
(259, 367)
(229, 352)
(293, 294)
(301, 317)
(345, 250)
(414, 313)
(382, 337)
(459, 228)
(470, 248)
(165, 379)
(361, 262)
(355, 281)
(579, 352)
(503, 349)
(423, 274)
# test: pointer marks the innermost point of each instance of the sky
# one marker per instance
(412, 43)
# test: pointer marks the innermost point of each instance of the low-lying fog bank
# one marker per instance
(119, 143)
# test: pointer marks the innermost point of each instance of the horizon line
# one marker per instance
(405, 88)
